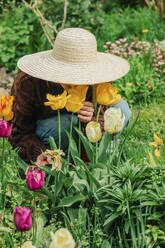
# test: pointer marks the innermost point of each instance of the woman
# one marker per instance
(73, 61)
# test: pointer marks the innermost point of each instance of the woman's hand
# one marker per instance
(85, 114)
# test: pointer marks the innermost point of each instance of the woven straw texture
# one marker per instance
(74, 60)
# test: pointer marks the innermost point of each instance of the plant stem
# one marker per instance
(79, 140)
(34, 219)
(116, 143)
(21, 239)
(70, 134)
(59, 128)
(98, 112)
(97, 118)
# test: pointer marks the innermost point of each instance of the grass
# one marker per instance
(151, 121)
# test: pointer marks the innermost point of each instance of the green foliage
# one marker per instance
(129, 23)
(141, 84)
(20, 34)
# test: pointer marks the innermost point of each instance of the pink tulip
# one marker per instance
(23, 218)
(5, 129)
(35, 179)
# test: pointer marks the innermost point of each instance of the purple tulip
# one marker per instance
(5, 129)
(23, 218)
(35, 179)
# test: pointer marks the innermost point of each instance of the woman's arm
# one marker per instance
(25, 107)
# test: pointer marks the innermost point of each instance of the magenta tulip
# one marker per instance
(35, 179)
(5, 129)
(23, 218)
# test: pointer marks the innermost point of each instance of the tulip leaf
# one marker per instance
(70, 200)
(90, 175)
(104, 145)
(52, 143)
(87, 145)
(41, 220)
(73, 147)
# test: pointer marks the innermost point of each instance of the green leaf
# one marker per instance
(52, 143)
(105, 244)
(21, 163)
(149, 203)
(105, 142)
(70, 200)
(111, 218)
(41, 220)
(5, 229)
(87, 145)
(73, 147)
(94, 180)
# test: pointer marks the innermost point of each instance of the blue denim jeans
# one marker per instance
(49, 127)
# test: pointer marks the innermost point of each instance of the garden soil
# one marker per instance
(6, 81)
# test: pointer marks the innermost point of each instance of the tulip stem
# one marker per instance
(34, 219)
(116, 143)
(79, 140)
(21, 239)
(70, 134)
(59, 128)
(98, 112)
(97, 119)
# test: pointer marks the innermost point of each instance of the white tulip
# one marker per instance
(28, 244)
(93, 131)
(113, 120)
(62, 239)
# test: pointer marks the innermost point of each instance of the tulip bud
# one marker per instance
(62, 238)
(93, 131)
(35, 179)
(113, 120)
(22, 218)
(5, 129)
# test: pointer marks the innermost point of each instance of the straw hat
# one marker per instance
(74, 60)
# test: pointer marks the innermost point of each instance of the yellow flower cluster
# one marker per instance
(72, 98)
(157, 143)
(6, 103)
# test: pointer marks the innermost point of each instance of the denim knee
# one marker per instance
(49, 127)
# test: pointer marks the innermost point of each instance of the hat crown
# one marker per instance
(75, 45)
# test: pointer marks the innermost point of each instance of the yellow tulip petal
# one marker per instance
(157, 152)
(116, 100)
(153, 144)
(158, 140)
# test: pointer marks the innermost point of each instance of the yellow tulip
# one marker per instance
(113, 120)
(56, 102)
(79, 90)
(66, 86)
(74, 104)
(77, 95)
(62, 239)
(157, 143)
(106, 94)
(93, 131)
(6, 103)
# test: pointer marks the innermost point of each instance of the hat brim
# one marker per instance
(43, 65)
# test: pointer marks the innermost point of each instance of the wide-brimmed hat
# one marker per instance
(74, 59)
